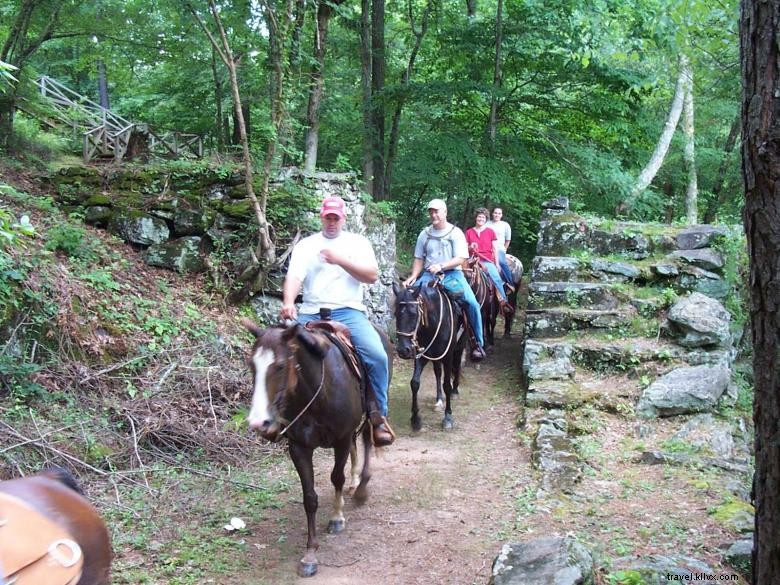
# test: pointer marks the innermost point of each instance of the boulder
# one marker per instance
(139, 228)
(699, 321)
(181, 255)
(544, 561)
(684, 391)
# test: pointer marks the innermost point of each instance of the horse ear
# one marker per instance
(316, 343)
(251, 326)
(396, 288)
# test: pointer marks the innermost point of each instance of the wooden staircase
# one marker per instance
(108, 135)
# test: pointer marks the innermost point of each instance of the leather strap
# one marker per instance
(33, 549)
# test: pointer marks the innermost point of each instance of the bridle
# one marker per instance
(422, 319)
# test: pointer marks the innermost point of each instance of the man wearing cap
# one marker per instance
(332, 266)
(441, 247)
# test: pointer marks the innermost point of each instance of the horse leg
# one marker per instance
(340, 453)
(419, 364)
(439, 392)
(354, 476)
(361, 492)
(302, 459)
(447, 423)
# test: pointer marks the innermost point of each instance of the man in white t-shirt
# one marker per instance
(332, 266)
(504, 233)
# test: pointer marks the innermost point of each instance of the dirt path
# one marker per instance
(441, 503)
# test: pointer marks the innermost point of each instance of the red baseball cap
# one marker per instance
(333, 206)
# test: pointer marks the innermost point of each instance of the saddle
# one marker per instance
(33, 549)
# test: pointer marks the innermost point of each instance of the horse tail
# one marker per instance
(63, 476)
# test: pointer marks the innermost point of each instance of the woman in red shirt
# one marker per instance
(483, 241)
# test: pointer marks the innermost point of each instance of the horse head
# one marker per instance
(415, 312)
(275, 366)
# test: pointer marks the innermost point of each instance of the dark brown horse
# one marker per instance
(305, 390)
(516, 267)
(487, 297)
(427, 324)
(50, 533)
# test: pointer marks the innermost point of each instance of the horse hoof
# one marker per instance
(447, 424)
(306, 569)
(454, 394)
(336, 526)
(361, 494)
(439, 406)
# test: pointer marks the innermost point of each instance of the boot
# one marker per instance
(382, 432)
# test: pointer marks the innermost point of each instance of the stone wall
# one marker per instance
(179, 219)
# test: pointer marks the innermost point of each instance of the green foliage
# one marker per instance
(733, 249)
(73, 241)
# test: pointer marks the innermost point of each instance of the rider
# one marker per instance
(442, 247)
(332, 266)
(504, 234)
(484, 242)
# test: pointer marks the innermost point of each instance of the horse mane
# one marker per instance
(63, 476)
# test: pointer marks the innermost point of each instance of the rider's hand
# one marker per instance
(435, 268)
(330, 257)
(409, 282)
(288, 312)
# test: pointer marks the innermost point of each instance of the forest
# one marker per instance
(632, 110)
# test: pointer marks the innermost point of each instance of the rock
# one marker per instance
(705, 258)
(545, 561)
(614, 270)
(554, 269)
(139, 228)
(698, 320)
(683, 391)
(699, 236)
(181, 255)
(662, 569)
(740, 554)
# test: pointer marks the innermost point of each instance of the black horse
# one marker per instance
(485, 292)
(428, 324)
(304, 389)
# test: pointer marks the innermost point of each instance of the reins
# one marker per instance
(313, 398)
(421, 319)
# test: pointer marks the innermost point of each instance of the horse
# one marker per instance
(427, 325)
(487, 297)
(50, 533)
(516, 267)
(305, 390)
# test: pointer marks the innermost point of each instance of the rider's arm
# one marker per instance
(417, 267)
(366, 272)
(290, 290)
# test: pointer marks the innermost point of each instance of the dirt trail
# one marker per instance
(441, 503)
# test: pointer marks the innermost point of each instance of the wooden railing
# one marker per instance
(108, 134)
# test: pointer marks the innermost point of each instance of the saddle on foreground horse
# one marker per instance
(50, 534)
(429, 328)
(306, 390)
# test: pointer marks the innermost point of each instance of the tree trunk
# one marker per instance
(392, 147)
(377, 105)
(103, 85)
(689, 152)
(662, 147)
(218, 97)
(759, 31)
(471, 10)
(365, 83)
(718, 192)
(493, 119)
(316, 84)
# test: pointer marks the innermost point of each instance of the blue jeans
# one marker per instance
(493, 273)
(455, 283)
(368, 345)
(505, 270)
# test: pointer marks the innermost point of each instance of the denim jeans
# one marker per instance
(456, 284)
(505, 270)
(494, 276)
(368, 345)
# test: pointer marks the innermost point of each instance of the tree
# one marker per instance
(759, 31)
(689, 152)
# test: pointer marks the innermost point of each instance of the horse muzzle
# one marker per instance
(269, 429)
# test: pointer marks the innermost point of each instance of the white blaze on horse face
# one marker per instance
(259, 413)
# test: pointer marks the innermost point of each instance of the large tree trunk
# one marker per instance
(759, 33)
(689, 152)
(103, 85)
(316, 84)
(365, 84)
(392, 147)
(377, 105)
(662, 147)
(493, 119)
(719, 194)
